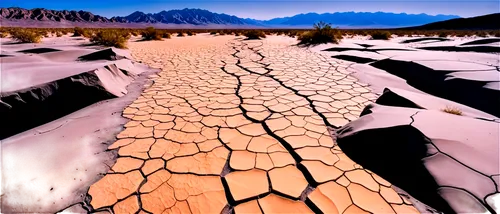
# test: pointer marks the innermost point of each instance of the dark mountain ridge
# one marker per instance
(486, 22)
(16, 16)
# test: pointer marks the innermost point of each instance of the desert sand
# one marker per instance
(264, 126)
(69, 99)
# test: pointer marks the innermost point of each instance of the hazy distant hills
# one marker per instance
(205, 17)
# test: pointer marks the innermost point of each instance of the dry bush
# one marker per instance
(481, 34)
(26, 36)
(444, 34)
(150, 33)
(452, 110)
(111, 38)
(222, 33)
(59, 34)
(167, 35)
(3, 35)
(77, 31)
(181, 34)
(134, 33)
(254, 34)
(497, 34)
(191, 33)
(381, 35)
(322, 33)
(213, 32)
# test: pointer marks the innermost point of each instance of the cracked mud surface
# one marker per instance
(243, 126)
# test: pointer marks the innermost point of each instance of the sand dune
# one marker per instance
(42, 84)
(60, 105)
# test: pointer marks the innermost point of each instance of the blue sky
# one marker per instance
(261, 9)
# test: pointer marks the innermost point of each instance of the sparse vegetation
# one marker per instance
(452, 110)
(254, 34)
(213, 32)
(77, 31)
(181, 34)
(191, 33)
(111, 38)
(167, 35)
(381, 35)
(481, 34)
(497, 34)
(26, 36)
(59, 34)
(322, 33)
(3, 35)
(444, 34)
(150, 33)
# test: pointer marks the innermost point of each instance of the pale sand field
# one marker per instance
(246, 126)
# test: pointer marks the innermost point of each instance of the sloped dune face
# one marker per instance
(43, 84)
(60, 107)
(447, 161)
(434, 131)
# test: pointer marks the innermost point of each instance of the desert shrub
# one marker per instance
(167, 35)
(444, 34)
(59, 34)
(452, 110)
(381, 35)
(237, 33)
(254, 34)
(322, 33)
(222, 33)
(481, 34)
(150, 33)
(111, 38)
(134, 33)
(3, 35)
(26, 36)
(181, 34)
(213, 32)
(77, 31)
(191, 33)
(497, 34)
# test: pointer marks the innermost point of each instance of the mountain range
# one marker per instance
(205, 17)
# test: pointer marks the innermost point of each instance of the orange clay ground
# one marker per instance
(243, 126)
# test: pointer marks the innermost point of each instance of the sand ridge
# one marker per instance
(241, 125)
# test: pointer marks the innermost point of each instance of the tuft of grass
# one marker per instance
(381, 35)
(111, 38)
(26, 36)
(255, 34)
(321, 34)
(150, 33)
(452, 110)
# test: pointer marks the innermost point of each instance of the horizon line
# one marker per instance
(186, 8)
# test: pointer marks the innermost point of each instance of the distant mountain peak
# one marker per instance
(196, 16)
